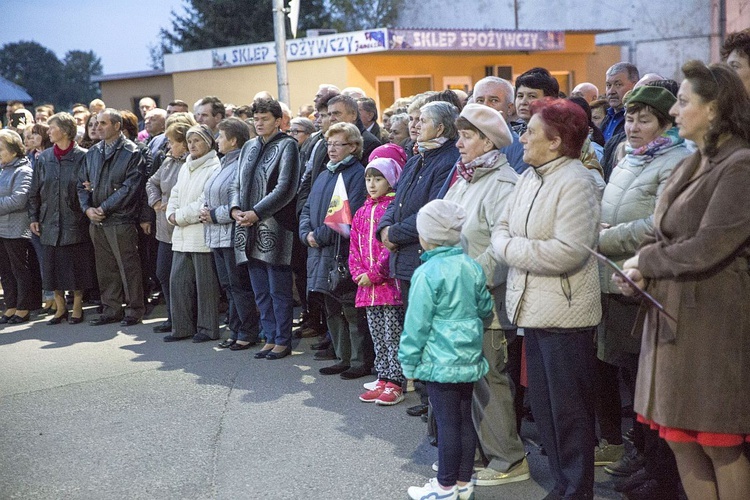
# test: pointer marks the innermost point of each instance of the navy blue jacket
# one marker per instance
(322, 259)
(421, 180)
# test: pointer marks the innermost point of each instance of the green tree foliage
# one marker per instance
(78, 68)
(33, 67)
(355, 15)
(46, 78)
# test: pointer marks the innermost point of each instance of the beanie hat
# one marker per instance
(440, 222)
(490, 122)
(389, 167)
(659, 98)
(204, 132)
(389, 150)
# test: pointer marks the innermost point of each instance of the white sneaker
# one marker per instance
(435, 465)
(371, 385)
(466, 492)
(433, 491)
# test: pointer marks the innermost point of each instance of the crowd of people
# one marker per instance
(458, 246)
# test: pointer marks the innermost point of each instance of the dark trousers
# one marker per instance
(242, 312)
(118, 269)
(457, 441)
(195, 297)
(560, 367)
(163, 270)
(18, 267)
(272, 286)
(515, 351)
(148, 248)
(350, 333)
(608, 406)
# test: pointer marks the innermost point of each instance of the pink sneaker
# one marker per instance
(392, 395)
(373, 394)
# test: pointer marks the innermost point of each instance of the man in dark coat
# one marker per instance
(110, 192)
(344, 109)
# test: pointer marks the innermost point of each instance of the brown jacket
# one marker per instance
(693, 374)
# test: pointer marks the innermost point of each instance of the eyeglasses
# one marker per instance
(295, 131)
(337, 145)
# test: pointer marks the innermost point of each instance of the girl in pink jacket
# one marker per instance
(380, 294)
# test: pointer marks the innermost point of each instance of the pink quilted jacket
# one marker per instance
(368, 255)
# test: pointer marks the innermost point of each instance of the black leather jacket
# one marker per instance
(115, 184)
(53, 198)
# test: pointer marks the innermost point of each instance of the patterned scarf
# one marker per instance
(435, 143)
(486, 160)
(662, 144)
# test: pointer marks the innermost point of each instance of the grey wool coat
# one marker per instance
(693, 373)
(219, 233)
(15, 182)
(267, 178)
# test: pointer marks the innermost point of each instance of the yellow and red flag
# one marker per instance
(339, 215)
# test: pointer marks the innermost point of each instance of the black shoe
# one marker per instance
(325, 355)
(416, 411)
(72, 320)
(4, 319)
(103, 320)
(224, 344)
(262, 353)
(129, 321)
(58, 319)
(353, 373)
(632, 482)
(278, 355)
(201, 337)
(17, 320)
(322, 345)
(305, 332)
(165, 327)
(172, 338)
(333, 369)
(628, 465)
(650, 490)
(241, 347)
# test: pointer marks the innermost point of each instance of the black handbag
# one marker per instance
(339, 278)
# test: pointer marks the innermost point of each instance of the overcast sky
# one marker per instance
(119, 32)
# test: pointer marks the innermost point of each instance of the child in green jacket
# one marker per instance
(442, 343)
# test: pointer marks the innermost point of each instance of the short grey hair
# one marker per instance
(441, 112)
(114, 115)
(305, 124)
(625, 67)
(66, 123)
(399, 117)
(510, 91)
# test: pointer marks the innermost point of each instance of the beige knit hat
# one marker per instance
(490, 122)
(440, 222)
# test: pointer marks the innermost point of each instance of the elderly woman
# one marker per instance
(15, 248)
(693, 372)
(158, 189)
(423, 177)
(653, 150)
(195, 307)
(219, 233)
(58, 221)
(399, 132)
(262, 202)
(414, 112)
(329, 248)
(482, 183)
(736, 52)
(553, 287)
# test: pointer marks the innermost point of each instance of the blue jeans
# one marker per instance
(457, 440)
(243, 315)
(560, 368)
(273, 294)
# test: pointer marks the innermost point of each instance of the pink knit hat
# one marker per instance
(389, 167)
(390, 150)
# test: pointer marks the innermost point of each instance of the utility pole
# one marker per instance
(279, 34)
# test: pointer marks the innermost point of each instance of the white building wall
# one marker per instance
(656, 35)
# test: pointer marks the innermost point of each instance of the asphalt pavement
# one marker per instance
(111, 412)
